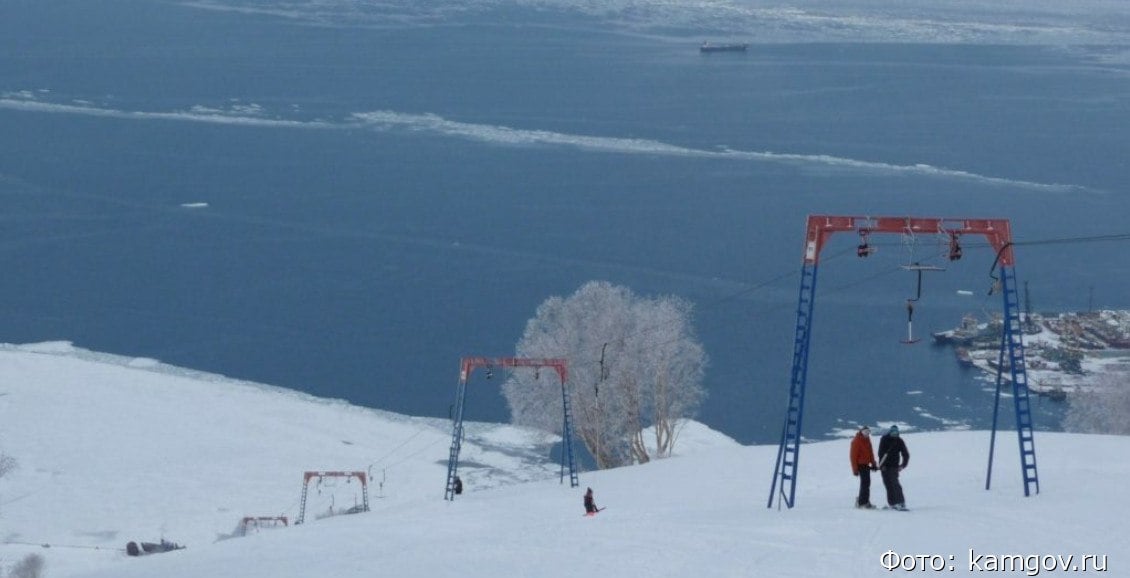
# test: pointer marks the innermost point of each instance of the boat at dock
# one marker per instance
(969, 331)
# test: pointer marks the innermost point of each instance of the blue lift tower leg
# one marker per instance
(1012, 357)
(567, 440)
(788, 454)
(456, 440)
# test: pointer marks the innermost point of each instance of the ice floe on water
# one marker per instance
(947, 21)
(254, 116)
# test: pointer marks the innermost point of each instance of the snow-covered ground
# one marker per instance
(113, 450)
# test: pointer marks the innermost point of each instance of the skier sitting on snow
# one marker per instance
(590, 504)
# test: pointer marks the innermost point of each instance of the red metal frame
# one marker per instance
(359, 475)
(468, 364)
(259, 521)
(820, 227)
(248, 520)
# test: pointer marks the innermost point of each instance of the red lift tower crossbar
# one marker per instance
(468, 364)
(820, 227)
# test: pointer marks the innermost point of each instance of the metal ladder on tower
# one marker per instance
(788, 454)
(456, 441)
(302, 505)
(1012, 346)
(567, 440)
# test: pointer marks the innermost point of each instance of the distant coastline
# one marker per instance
(1065, 353)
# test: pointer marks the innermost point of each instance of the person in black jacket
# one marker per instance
(893, 458)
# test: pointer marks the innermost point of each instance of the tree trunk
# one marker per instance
(662, 415)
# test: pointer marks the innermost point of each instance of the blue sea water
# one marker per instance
(345, 198)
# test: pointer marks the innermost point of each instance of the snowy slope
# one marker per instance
(113, 449)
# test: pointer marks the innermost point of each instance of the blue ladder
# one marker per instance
(1012, 344)
(456, 441)
(567, 440)
(788, 453)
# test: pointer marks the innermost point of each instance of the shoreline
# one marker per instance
(1064, 353)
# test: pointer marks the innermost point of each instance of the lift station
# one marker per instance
(997, 232)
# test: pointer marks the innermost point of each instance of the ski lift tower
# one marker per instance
(999, 236)
(467, 365)
(319, 476)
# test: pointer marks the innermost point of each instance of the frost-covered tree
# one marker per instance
(1105, 410)
(634, 364)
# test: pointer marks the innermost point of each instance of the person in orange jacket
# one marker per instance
(862, 464)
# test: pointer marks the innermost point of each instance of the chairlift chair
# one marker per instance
(918, 268)
(911, 242)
